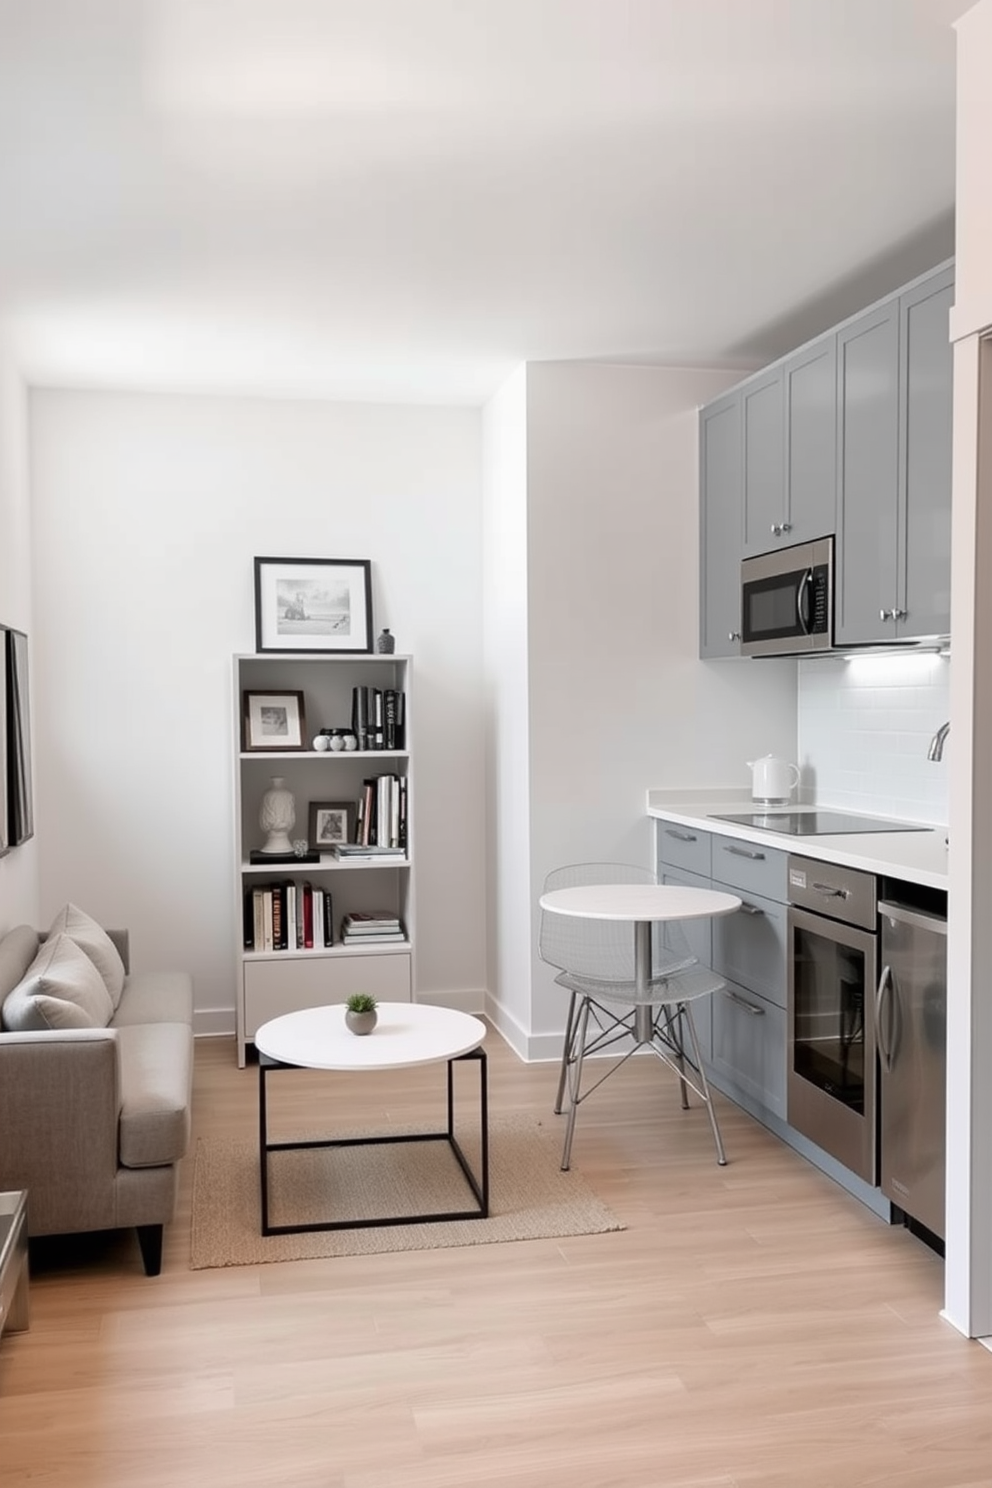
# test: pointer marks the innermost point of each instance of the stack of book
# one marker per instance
(371, 927)
(365, 852)
(382, 812)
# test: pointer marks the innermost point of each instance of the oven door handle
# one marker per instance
(882, 997)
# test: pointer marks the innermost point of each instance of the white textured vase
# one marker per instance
(277, 817)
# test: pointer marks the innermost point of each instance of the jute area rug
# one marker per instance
(530, 1198)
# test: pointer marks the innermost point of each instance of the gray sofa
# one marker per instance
(94, 1090)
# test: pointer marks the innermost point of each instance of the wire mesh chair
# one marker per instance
(595, 961)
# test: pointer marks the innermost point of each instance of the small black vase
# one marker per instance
(386, 644)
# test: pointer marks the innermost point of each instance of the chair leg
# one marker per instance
(150, 1243)
(579, 1042)
(565, 1053)
(721, 1156)
(668, 1028)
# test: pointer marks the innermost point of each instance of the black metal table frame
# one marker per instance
(479, 1184)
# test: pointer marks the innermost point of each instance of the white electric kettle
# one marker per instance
(772, 780)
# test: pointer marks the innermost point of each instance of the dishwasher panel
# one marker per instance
(910, 1032)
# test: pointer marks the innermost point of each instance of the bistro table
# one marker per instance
(643, 905)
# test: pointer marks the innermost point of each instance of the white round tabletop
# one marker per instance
(406, 1033)
(638, 901)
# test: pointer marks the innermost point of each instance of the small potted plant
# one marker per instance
(360, 1012)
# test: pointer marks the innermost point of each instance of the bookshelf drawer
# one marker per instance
(286, 983)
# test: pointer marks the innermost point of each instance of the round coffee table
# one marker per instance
(406, 1034)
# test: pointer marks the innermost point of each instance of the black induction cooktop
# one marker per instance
(818, 823)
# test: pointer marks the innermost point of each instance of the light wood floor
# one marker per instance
(754, 1325)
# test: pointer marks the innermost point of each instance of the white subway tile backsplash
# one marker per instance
(865, 726)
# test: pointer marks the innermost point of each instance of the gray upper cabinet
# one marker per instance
(868, 467)
(893, 572)
(810, 386)
(765, 521)
(927, 381)
(720, 527)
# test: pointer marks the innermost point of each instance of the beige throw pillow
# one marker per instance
(61, 989)
(94, 940)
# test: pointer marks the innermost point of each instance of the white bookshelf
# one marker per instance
(271, 982)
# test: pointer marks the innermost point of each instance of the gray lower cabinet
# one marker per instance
(742, 1028)
(895, 381)
(720, 451)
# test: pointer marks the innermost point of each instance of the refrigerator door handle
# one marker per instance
(884, 986)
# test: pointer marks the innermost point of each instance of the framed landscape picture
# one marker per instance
(272, 720)
(20, 805)
(313, 604)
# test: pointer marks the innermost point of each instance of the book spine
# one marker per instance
(248, 920)
(266, 919)
(389, 717)
(278, 918)
(328, 919)
(359, 716)
(401, 720)
(307, 916)
(291, 917)
(378, 737)
(401, 833)
(318, 918)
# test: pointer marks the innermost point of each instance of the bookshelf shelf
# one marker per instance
(270, 897)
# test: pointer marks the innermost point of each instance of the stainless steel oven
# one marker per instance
(833, 973)
(787, 600)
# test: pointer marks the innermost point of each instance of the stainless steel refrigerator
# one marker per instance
(910, 1033)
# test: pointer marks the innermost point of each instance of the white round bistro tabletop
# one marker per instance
(406, 1033)
(618, 901)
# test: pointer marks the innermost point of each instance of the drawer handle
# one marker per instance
(751, 909)
(744, 852)
(830, 892)
(680, 836)
(742, 1002)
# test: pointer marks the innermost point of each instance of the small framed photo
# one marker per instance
(332, 823)
(313, 604)
(273, 720)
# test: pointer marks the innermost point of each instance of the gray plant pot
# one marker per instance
(360, 1022)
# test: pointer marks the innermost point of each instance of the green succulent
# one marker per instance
(361, 1002)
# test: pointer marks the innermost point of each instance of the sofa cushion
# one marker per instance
(94, 940)
(156, 1066)
(18, 949)
(60, 989)
(155, 997)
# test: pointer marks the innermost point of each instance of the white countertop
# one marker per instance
(919, 857)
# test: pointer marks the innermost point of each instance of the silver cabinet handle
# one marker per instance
(885, 614)
(898, 614)
(681, 836)
(778, 528)
(743, 852)
(742, 1002)
(830, 891)
(750, 909)
(733, 635)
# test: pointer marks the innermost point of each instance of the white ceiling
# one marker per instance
(405, 198)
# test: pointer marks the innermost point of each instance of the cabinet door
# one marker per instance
(926, 372)
(749, 947)
(720, 527)
(763, 414)
(811, 440)
(749, 1053)
(868, 458)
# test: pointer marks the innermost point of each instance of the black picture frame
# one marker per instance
(4, 826)
(321, 836)
(20, 795)
(322, 605)
(273, 722)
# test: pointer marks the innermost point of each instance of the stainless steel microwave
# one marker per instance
(787, 600)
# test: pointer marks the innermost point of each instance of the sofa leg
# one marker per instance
(150, 1241)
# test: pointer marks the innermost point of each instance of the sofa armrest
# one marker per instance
(60, 1101)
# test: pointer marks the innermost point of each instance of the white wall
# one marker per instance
(506, 620)
(865, 726)
(18, 868)
(148, 511)
(618, 701)
(973, 204)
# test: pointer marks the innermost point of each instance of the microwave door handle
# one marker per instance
(802, 601)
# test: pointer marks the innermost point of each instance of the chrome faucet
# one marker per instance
(936, 750)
